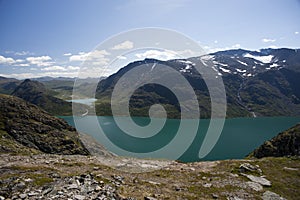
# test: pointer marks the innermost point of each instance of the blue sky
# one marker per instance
(40, 37)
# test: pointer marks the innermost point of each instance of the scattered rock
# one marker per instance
(271, 196)
(255, 186)
(31, 194)
(261, 180)
(215, 196)
(290, 169)
(245, 167)
(20, 186)
(149, 198)
(153, 182)
(23, 196)
(79, 197)
(207, 185)
(28, 180)
(73, 186)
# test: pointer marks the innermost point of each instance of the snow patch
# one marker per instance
(186, 62)
(188, 67)
(225, 70)
(207, 57)
(241, 71)
(263, 59)
(153, 66)
(242, 63)
(274, 65)
(215, 69)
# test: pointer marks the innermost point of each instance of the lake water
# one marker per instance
(239, 137)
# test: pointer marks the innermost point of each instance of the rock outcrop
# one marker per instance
(26, 128)
(286, 143)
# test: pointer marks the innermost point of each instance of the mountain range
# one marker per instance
(257, 83)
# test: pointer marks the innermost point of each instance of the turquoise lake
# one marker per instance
(239, 137)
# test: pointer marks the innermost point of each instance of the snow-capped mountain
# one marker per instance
(257, 83)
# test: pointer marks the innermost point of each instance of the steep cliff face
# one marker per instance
(26, 128)
(286, 143)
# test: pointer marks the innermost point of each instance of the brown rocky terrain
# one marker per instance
(46, 176)
(286, 143)
(26, 128)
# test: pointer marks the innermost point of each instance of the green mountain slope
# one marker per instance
(36, 93)
(25, 128)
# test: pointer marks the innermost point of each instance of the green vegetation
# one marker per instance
(24, 128)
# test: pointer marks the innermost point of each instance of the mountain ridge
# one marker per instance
(24, 127)
(247, 77)
(36, 93)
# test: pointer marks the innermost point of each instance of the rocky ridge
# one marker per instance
(25, 128)
(286, 143)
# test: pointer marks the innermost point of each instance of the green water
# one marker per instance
(239, 137)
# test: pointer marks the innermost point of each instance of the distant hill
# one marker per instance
(8, 85)
(286, 143)
(36, 93)
(25, 128)
(63, 86)
(257, 83)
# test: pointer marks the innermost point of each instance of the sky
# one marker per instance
(54, 37)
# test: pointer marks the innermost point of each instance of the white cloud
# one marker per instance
(124, 45)
(19, 76)
(72, 68)
(23, 65)
(54, 68)
(273, 47)
(160, 55)
(67, 54)
(236, 46)
(211, 49)
(296, 32)
(6, 60)
(60, 68)
(41, 61)
(19, 60)
(36, 75)
(122, 57)
(81, 56)
(96, 57)
(23, 53)
(267, 40)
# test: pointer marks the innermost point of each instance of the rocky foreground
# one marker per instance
(46, 176)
